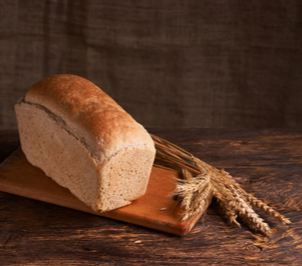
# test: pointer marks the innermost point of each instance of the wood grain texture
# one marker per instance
(185, 63)
(267, 163)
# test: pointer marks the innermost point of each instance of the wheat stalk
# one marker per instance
(201, 179)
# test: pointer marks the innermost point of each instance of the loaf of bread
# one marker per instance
(84, 141)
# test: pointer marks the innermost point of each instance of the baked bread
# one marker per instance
(84, 141)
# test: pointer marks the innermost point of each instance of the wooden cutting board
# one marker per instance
(156, 209)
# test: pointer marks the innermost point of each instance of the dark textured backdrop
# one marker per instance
(170, 63)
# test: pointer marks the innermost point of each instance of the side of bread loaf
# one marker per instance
(83, 140)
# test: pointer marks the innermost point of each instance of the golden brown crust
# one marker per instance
(85, 141)
(89, 112)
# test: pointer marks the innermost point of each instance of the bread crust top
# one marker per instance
(90, 114)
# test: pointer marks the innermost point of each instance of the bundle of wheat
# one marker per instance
(200, 179)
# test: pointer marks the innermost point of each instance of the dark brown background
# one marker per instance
(170, 63)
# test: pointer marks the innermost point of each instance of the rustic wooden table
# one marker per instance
(267, 163)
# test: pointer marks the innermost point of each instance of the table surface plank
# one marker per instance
(267, 163)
